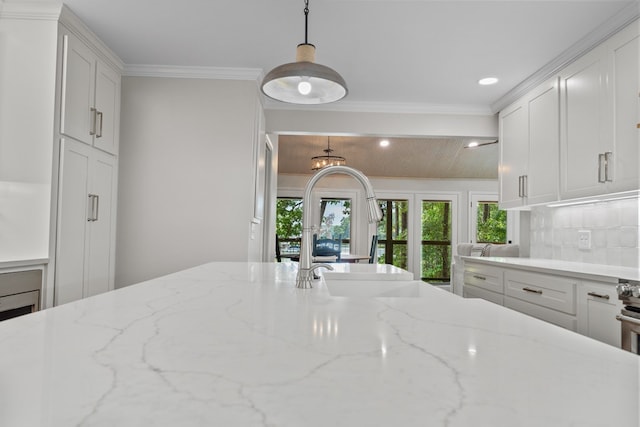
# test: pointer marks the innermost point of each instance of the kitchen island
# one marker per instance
(236, 344)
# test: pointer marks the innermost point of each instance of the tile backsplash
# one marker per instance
(614, 227)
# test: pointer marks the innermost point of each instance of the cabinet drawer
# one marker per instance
(484, 276)
(476, 292)
(598, 305)
(559, 319)
(557, 293)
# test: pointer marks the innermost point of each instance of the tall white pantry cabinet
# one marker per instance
(86, 134)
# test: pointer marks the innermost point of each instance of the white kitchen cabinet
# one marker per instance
(547, 297)
(529, 148)
(85, 247)
(599, 114)
(90, 96)
(483, 281)
(598, 305)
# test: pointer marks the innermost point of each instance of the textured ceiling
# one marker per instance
(404, 157)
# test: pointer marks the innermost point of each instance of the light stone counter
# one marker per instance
(235, 344)
(606, 273)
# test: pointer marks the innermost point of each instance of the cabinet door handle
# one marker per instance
(93, 207)
(533, 291)
(524, 185)
(99, 124)
(520, 194)
(594, 294)
(93, 119)
(608, 166)
(475, 276)
(601, 170)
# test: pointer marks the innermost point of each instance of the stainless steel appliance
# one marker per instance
(629, 317)
(19, 293)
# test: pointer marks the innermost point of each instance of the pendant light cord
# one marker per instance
(306, 19)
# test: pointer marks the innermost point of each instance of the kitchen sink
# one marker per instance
(377, 289)
(368, 272)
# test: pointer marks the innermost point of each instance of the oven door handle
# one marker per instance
(624, 318)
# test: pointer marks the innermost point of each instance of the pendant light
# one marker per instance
(320, 162)
(304, 81)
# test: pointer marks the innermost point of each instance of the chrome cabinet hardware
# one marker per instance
(608, 166)
(93, 119)
(594, 294)
(475, 276)
(94, 207)
(522, 186)
(601, 170)
(99, 124)
(533, 291)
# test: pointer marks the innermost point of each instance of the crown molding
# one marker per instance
(31, 10)
(624, 17)
(192, 72)
(383, 107)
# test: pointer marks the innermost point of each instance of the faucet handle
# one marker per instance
(316, 266)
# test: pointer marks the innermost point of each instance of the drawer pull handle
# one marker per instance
(593, 294)
(475, 276)
(533, 291)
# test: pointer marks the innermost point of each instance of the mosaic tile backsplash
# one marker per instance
(614, 226)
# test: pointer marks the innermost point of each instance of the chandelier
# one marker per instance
(319, 162)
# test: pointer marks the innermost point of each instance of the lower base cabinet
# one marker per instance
(586, 307)
(598, 304)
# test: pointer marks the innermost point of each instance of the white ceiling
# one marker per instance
(395, 55)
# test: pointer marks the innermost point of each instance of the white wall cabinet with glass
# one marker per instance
(529, 147)
(599, 116)
(90, 95)
(85, 247)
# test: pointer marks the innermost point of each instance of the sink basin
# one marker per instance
(377, 289)
(368, 272)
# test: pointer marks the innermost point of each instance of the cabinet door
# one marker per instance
(584, 122)
(78, 82)
(107, 104)
(513, 154)
(102, 226)
(598, 305)
(623, 62)
(72, 221)
(544, 144)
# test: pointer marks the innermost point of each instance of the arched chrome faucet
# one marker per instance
(306, 268)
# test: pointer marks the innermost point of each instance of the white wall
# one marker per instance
(186, 174)
(27, 91)
(615, 234)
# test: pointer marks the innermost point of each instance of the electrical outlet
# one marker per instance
(584, 239)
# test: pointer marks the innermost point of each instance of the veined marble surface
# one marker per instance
(236, 344)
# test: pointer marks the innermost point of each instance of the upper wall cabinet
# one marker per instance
(529, 148)
(599, 117)
(90, 104)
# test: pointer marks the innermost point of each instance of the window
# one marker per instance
(436, 241)
(335, 222)
(289, 224)
(491, 223)
(393, 232)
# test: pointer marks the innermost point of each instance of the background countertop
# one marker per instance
(236, 344)
(606, 273)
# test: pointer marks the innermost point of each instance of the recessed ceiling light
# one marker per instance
(384, 143)
(488, 81)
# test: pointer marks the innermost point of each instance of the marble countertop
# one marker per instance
(6, 264)
(236, 344)
(606, 273)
